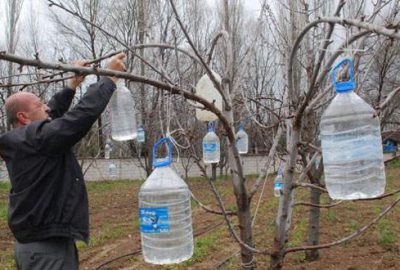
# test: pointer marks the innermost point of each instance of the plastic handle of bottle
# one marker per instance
(163, 162)
(347, 85)
(211, 126)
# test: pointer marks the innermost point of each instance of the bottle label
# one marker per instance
(140, 137)
(278, 185)
(154, 220)
(209, 147)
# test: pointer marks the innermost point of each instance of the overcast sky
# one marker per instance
(41, 10)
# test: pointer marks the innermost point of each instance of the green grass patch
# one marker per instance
(112, 185)
(7, 261)
(331, 215)
(394, 163)
(3, 210)
(202, 247)
(109, 232)
(299, 233)
(387, 236)
(5, 186)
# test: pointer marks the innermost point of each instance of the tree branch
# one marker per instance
(351, 236)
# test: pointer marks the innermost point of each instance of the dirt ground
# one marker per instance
(114, 230)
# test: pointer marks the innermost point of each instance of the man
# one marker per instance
(48, 203)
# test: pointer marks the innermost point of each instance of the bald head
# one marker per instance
(22, 108)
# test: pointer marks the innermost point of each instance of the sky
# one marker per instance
(41, 10)
(40, 13)
(253, 6)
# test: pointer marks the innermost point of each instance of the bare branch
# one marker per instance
(318, 205)
(351, 236)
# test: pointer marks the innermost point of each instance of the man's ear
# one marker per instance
(23, 118)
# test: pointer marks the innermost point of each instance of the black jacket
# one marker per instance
(48, 196)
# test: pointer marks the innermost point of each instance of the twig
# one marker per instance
(228, 222)
(52, 3)
(267, 164)
(208, 70)
(209, 210)
(380, 197)
(318, 205)
(388, 99)
(308, 185)
(347, 238)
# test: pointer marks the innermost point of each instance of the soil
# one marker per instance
(114, 231)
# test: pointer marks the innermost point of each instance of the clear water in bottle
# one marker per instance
(165, 216)
(352, 147)
(278, 183)
(123, 115)
(211, 146)
(107, 149)
(242, 141)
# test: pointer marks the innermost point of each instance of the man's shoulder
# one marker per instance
(20, 134)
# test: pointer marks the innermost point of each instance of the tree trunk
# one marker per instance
(284, 217)
(313, 227)
(214, 171)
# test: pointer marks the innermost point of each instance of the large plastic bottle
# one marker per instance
(107, 149)
(242, 141)
(205, 89)
(123, 118)
(112, 170)
(351, 144)
(165, 213)
(211, 145)
(140, 134)
(278, 183)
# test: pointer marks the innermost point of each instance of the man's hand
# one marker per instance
(117, 63)
(74, 82)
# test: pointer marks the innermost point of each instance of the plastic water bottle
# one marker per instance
(211, 145)
(112, 170)
(140, 134)
(278, 183)
(165, 213)
(242, 141)
(123, 118)
(107, 149)
(351, 144)
(205, 89)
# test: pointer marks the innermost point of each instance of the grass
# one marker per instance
(111, 185)
(299, 233)
(387, 237)
(3, 211)
(203, 246)
(216, 245)
(8, 262)
(394, 163)
(4, 186)
(331, 215)
(108, 233)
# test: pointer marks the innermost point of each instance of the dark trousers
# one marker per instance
(50, 254)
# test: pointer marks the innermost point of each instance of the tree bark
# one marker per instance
(313, 227)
